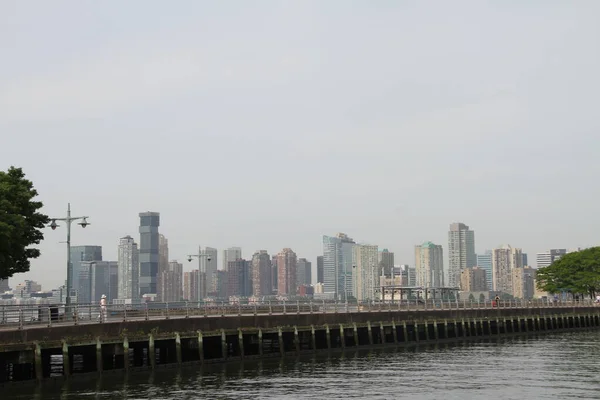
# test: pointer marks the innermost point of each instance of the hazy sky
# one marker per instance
(266, 124)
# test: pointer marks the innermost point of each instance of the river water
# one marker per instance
(554, 366)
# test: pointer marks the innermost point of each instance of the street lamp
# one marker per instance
(68, 220)
(199, 256)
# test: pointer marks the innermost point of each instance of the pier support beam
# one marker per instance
(126, 353)
(260, 342)
(200, 347)
(296, 339)
(382, 333)
(178, 348)
(281, 344)
(342, 337)
(328, 336)
(241, 342)
(370, 333)
(313, 338)
(394, 332)
(66, 360)
(99, 361)
(37, 355)
(224, 349)
(151, 351)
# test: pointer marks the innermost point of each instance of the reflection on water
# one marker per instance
(556, 366)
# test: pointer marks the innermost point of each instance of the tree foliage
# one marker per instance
(20, 222)
(577, 273)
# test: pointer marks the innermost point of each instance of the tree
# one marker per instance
(20, 222)
(576, 273)
(471, 298)
(481, 297)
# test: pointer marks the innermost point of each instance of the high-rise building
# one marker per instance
(365, 271)
(129, 270)
(261, 274)
(149, 254)
(523, 280)
(221, 283)
(473, 280)
(172, 282)
(461, 251)
(286, 273)
(239, 278)
(320, 269)
(190, 285)
(303, 272)
(103, 280)
(484, 261)
(386, 262)
(4, 286)
(337, 265)
(274, 273)
(504, 260)
(429, 265)
(81, 254)
(525, 259)
(546, 258)
(163, 264)
(209, 266)
(411, 274)
(231, 254)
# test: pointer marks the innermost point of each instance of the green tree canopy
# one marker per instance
(20, 222)
(577, 272)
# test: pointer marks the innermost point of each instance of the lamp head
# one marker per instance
(190, 259)
(53, 225)
(84, 223)
(208, 259)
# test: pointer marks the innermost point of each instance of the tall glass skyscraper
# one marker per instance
(484, 261)
(337, 265)
(79, 255)
(149, 253)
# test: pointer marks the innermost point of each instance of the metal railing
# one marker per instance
(21, 316)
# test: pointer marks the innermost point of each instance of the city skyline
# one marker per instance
(430, 124)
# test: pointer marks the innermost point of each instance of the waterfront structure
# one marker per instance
(546, 258)
(386, 262)
(429, 265)
(303, 272)
(128, 270)
(473, 280)
(239, 278)
(485, 261)
(172, 282)
(319, 269)
(523, 280)
(79, 255)
(261, 274)
(286, 273)
(190, 285)
(365, 271)
(149, 253)
(163, 265)
(461, 251)
(504, 260)
(337, 265)
(231, 254)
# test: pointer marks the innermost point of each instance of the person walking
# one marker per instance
(103, 308)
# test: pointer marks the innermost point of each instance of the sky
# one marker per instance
(268, 124)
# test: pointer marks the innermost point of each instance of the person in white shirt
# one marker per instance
(103, 308)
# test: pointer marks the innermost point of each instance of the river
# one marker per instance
(552, 366)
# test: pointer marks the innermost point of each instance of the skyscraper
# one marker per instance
(81, 254)
(504, 260)
(209, 267)
(303, 272)
(172, 282)
(365, 271)
(337, 265)
(320, 269)
(473, 280)
(129, 272)
(461, 251)
(429, 265)
(261, 274)
(485, 262)
(286, 273)
(546, 258)
(231, 254)
(386, 262)
(523, 280)
(163, 264)
(103, 280)
(274, 273)
(239, 278)
(4, 286)
(190, 285)
(149, 254)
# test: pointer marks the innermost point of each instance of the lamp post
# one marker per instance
(199, 256)
(68, 220)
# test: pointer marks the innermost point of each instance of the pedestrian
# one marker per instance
(103, 308)
(497, 300)
(598, 298)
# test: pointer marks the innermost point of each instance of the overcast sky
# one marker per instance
(266, 124)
